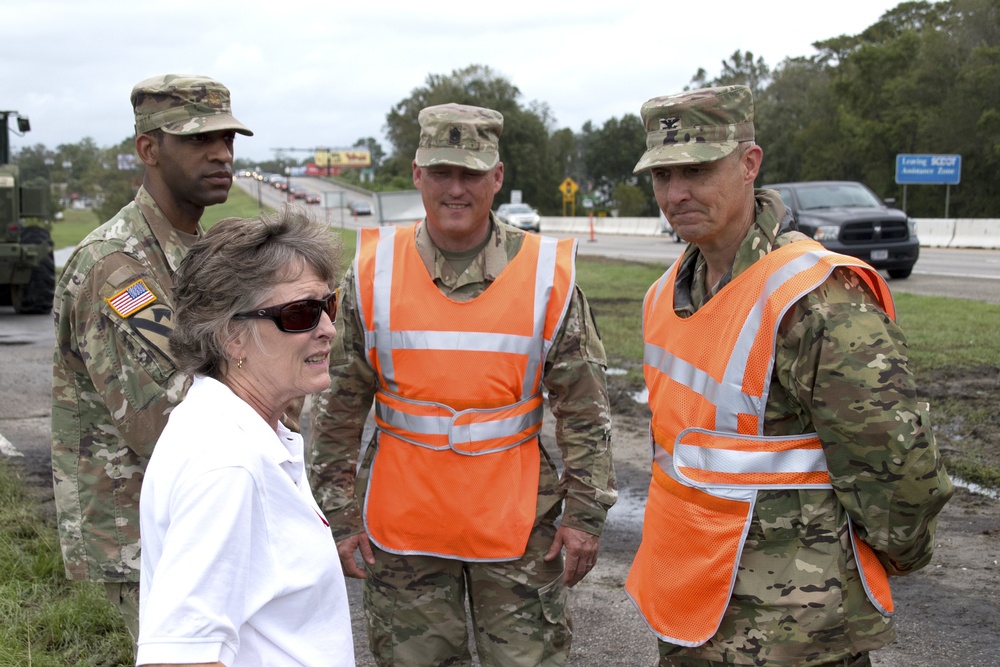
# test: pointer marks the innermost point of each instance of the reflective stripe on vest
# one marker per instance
(710, 454)
(458, 407)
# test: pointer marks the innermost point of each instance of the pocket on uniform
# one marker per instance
(555, 636)
(554, 597)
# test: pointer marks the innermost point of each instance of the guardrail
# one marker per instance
(603, 225)
(932, 232)
(958, 232)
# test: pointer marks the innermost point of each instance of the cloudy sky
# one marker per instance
(307, 73)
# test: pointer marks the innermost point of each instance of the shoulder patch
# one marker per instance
(154, 326)
(131, 299)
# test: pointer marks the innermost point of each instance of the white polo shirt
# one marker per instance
(238, 564)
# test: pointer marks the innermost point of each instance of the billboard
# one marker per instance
(356, 158)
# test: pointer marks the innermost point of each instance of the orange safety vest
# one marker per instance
(710, 456)
(459, 405)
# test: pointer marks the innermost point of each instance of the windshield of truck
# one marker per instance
(836, 195)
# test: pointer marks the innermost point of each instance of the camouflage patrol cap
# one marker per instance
(695, 126)
(459, 135)
(183, 104)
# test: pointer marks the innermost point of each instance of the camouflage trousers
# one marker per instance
(125, 598)
(415, 607)
(672, 655)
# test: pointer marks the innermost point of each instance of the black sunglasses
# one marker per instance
(296, 316)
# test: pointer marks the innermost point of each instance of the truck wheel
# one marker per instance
(35, 298)
(899, 274)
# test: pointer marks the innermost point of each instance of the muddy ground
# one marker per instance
(947, 614)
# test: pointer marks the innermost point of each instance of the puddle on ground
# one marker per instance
(629, 510)
(975, 488)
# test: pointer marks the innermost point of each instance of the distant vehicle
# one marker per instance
(27, 263)
(666, 228)
(360, 208)
(312, 198)
(520, 215)
(298, 193)
(848, 218)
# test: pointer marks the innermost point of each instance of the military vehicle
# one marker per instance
(27, 264)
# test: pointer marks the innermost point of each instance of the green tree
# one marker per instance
(923, 80)
(79, 166)
(374, 149)
(796, 123)
(740, 69)
(629, 200)
(118, 178)
(610, 154)
(566, 156)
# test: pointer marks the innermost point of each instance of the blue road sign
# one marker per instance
(929, 169)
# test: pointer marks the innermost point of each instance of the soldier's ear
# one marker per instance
(751, 161)
(148, 149)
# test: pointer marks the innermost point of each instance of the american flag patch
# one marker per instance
(133, 298)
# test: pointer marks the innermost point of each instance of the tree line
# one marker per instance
(925, 78)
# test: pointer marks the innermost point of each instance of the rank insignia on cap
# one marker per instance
(132, 299)
(455, 136)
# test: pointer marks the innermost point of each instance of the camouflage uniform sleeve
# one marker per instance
(126, 359)
(846, 363)
(338, 417)
(578, 397)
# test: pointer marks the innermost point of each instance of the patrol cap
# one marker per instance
(183, 104)
(695, 126)
(459, 135)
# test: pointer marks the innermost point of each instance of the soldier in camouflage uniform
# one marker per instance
(415, 603)
(839, 371)
(113, 378)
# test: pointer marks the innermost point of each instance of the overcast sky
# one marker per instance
(323, 73)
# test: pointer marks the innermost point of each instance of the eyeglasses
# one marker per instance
(296, 316)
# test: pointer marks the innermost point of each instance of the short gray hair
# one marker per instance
(231, 269)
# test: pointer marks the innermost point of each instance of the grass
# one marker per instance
(615, 290)
(46, 620)
(76, 224)
(944, 332)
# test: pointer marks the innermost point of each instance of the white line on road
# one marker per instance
(8, 449)
(975, 276)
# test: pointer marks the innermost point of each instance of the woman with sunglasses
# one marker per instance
(238, 564)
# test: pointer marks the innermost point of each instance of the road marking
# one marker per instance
(8, 449)
(956, 275)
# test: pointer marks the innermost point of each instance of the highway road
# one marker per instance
(333, 207)
(948, 272)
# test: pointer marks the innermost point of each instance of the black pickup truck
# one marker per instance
(848, 218)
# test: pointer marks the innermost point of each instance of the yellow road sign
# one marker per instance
(568, 187)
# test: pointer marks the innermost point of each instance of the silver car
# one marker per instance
(520, 215)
